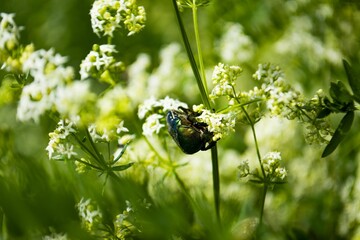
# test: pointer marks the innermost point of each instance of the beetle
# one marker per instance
(189, 134)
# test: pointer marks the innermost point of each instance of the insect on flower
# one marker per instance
(188, 133)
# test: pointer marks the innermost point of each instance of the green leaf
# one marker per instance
(324, 113)
(339, 134)
(339, 93)
(354, 81)
(122, 167)
(59, 158)
(120, 154)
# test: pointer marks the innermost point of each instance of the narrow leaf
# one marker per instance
(354, 81)
(339, 134)
(122, 167)
(120, 154)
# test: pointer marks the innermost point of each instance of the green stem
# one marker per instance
(265, 182)
(198, 46)
(203, 91)
(201, 82)
(216, 181)
(252, 125)
(261, 166)
(263, 203)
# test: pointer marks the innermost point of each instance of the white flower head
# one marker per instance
(153, 124)
(271, 164)
(147, 106)
(234, 45)
(71, 99)
(160, 106)
(98, 61)
(218, 123)
(109, 15)
(170, 104)
(224, 77)
(9, 32)
(244, 169)
(48, 72)
(88, 213)
(56, 147)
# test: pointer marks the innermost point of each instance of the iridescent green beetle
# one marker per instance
(188, 133)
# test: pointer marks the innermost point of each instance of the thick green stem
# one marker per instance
(216, 181)
(201, 82)
(263, 203)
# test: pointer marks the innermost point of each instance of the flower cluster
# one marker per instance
(9, 32)
(123, 223)
(244, 169)
(107, 16)
(299, 41)
(50, 77)
(279, 96)
(271, 164)
(109, 134)
(154, 111)
(235, 46)
(224, 77)
(90, 215)
(46, 83)
(65, 144)
(219, 124)
(135, 17)
(100, 63)
(126, 223)
(58, 147)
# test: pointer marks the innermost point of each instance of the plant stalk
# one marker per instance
(216, 181)
(198, 46)
(203, 92)
(201, 82)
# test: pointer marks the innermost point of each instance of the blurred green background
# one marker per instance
(37, 194)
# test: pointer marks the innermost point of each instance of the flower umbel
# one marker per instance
(224, 77)
(57, 147)
(154, 111)
(9, 32)
(108, 15)
(271, 164)
(219, 124)
(90, 214)
(100, 63)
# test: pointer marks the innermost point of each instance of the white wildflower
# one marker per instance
(108, 15)
(9, 32)
(234, 45)
(224, 77)
(219, 124)
(88, 214)
(152, 124)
